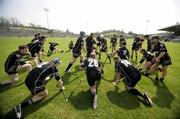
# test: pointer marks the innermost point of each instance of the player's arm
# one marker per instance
(162, 51)
(59, 81)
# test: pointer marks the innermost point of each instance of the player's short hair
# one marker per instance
(23, 47)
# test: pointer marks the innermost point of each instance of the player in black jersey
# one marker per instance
(148, 42)
(113, 42)
(162, 57)
(123, 52)
(36, 49)
(36, 38)
(35, 82)
(98, 42)
(93, 74)
(149, 58)
(89, 44)
(131, 76)
(53, 49)
(121, 40)
(71, 45)
(135, 47)
(15, 63)
(77, 51)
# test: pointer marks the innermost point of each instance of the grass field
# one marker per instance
(112, 104)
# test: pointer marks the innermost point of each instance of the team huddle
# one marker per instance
(28, 57)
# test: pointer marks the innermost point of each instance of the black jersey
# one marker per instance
(78, 45)
(98, 41)
(148, 56)
(114, 41)
(38, 75)
(148, 45)
(12, 62)
(160, 47)
(53, 45)
(35, 47)
(103, 41)
(92, 66)
(122, 39)
(128, 70)
(123, 53)
(89, 42)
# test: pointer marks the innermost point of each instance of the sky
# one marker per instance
(139, 16)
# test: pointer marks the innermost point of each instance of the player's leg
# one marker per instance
(136, 54)
(164, 72)
(71, 63)
(41, 94)
(27, 67)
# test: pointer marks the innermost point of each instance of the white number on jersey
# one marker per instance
(93, 63)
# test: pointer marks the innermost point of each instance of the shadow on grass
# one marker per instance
(65, 77)
(164, 97)
(123, 99)
(30, 109)
(81, 101)
(10, 86)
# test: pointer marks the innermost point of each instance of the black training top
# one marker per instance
(126, 68)
(148, 56)
(98, 40)
(78, 45)
(160, 47)
(148, 45)
(123, 53)
(35, 47)
(89, 42)
(121, 40)
(92, 65)
(13, 60)
(38, 75)
(113, 40)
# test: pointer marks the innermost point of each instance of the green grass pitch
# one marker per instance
(112, 104)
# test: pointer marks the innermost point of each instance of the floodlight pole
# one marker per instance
(47, 10)
(147, 26)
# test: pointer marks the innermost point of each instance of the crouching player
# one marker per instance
(148, 57)
(35, 82)
(131, 76)
(53, 49)
(93, 73)
(15, 63)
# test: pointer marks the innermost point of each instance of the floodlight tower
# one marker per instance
(47, 10)
(147, 26)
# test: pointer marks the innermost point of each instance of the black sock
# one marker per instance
(26, 103)
(136, 92)
(69, 66)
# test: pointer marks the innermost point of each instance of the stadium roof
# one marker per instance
(174, 28)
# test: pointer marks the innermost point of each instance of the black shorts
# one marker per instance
(135, 46)
(98, 44)
(76, 54)
(165, 62)
(132, 80)
(35, 89)
(92, 78)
